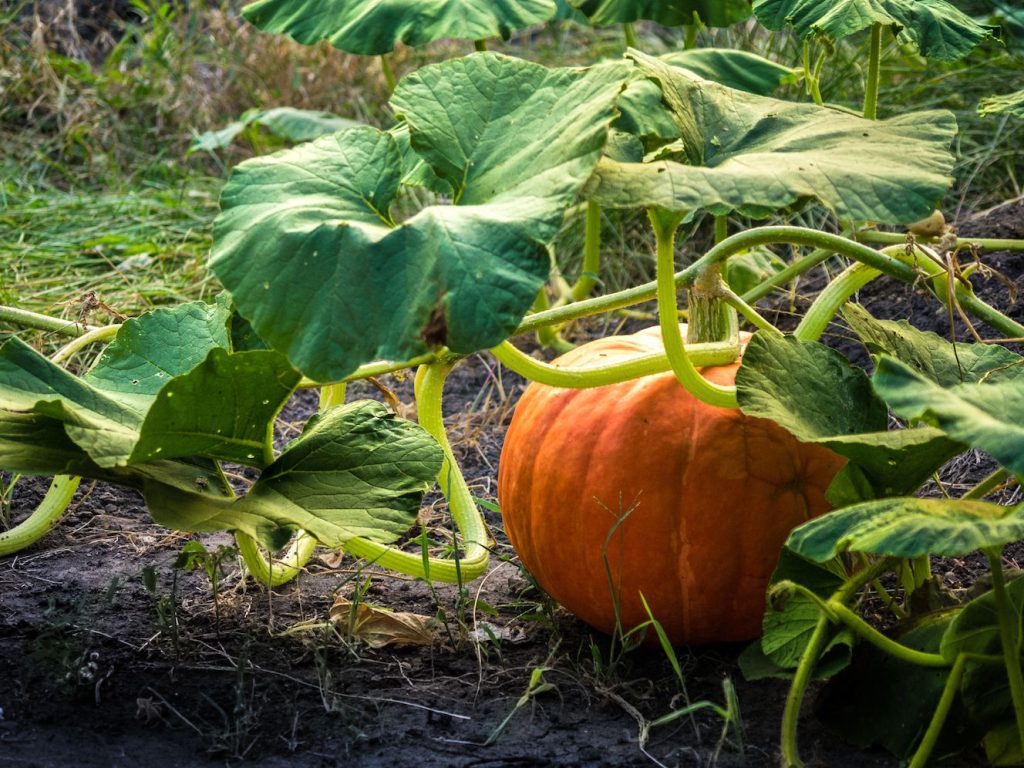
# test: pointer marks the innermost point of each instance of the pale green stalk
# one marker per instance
(701, 355)
(665, 225)
(43, 518)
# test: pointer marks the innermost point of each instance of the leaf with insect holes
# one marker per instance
(757, 155)
(306, 244)
(669, 13)
(376, 27)
(937, 28)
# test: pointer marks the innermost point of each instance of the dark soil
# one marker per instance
(97, 670)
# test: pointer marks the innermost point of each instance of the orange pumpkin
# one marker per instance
(683, 502)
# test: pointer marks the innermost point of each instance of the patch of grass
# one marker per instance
(134, 250)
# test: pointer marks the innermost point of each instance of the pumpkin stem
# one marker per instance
(475, 538)
(665, 225)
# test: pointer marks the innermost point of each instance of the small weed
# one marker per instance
(166, 606)
(195, 556)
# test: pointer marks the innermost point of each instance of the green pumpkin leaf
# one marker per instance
(308, 249)
(223, 408)
(357, 470)
(982, 415)
(742, 70)
(497, 128)
(37, 445)
(937, 28)
(790, 621)
(165, 379)
(909, 527)
(976, 627)
(1004, 104)
(819, 396)
(757, 155)
(903, 697)
(1002, 744)
(181, 338)
(670, 13)
(932, 356)
(372, 28)
(287, 123)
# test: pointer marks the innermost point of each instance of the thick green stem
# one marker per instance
(794, 699)
(332, 395)
(549, 336)
(43, 518)
(630, 34)
(741, 241)
(665, 225)
(795, 269)
(106, 333)
(591, 253)
(832, 298)
(389, 75)
(931, 736)
(896, 238)
(1009, 636)
(884, 643)
(874, 68)
(710, 318)
(988, 484)
(380, 368)
(275, 571)
(701, 355)
(26, 319)
(475, 538)
(751, 314)
(811, 74)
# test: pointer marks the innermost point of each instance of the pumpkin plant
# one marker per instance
(952, 397)
(341, 273)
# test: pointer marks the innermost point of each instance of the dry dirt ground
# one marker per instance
(99, 669)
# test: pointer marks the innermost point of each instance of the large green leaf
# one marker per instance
(932, 356)
(742, 70)
(371, 28)
(819, 396)
(223, 408)
(150, 349)
(670, 13)
(983, 415)
(308, 248)
(757, 155)
(909, 527)
(938, 29)
(976, 627)
(167, 386)
(288, 123)
(790, 621)
(497, 128)
(357, 470)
